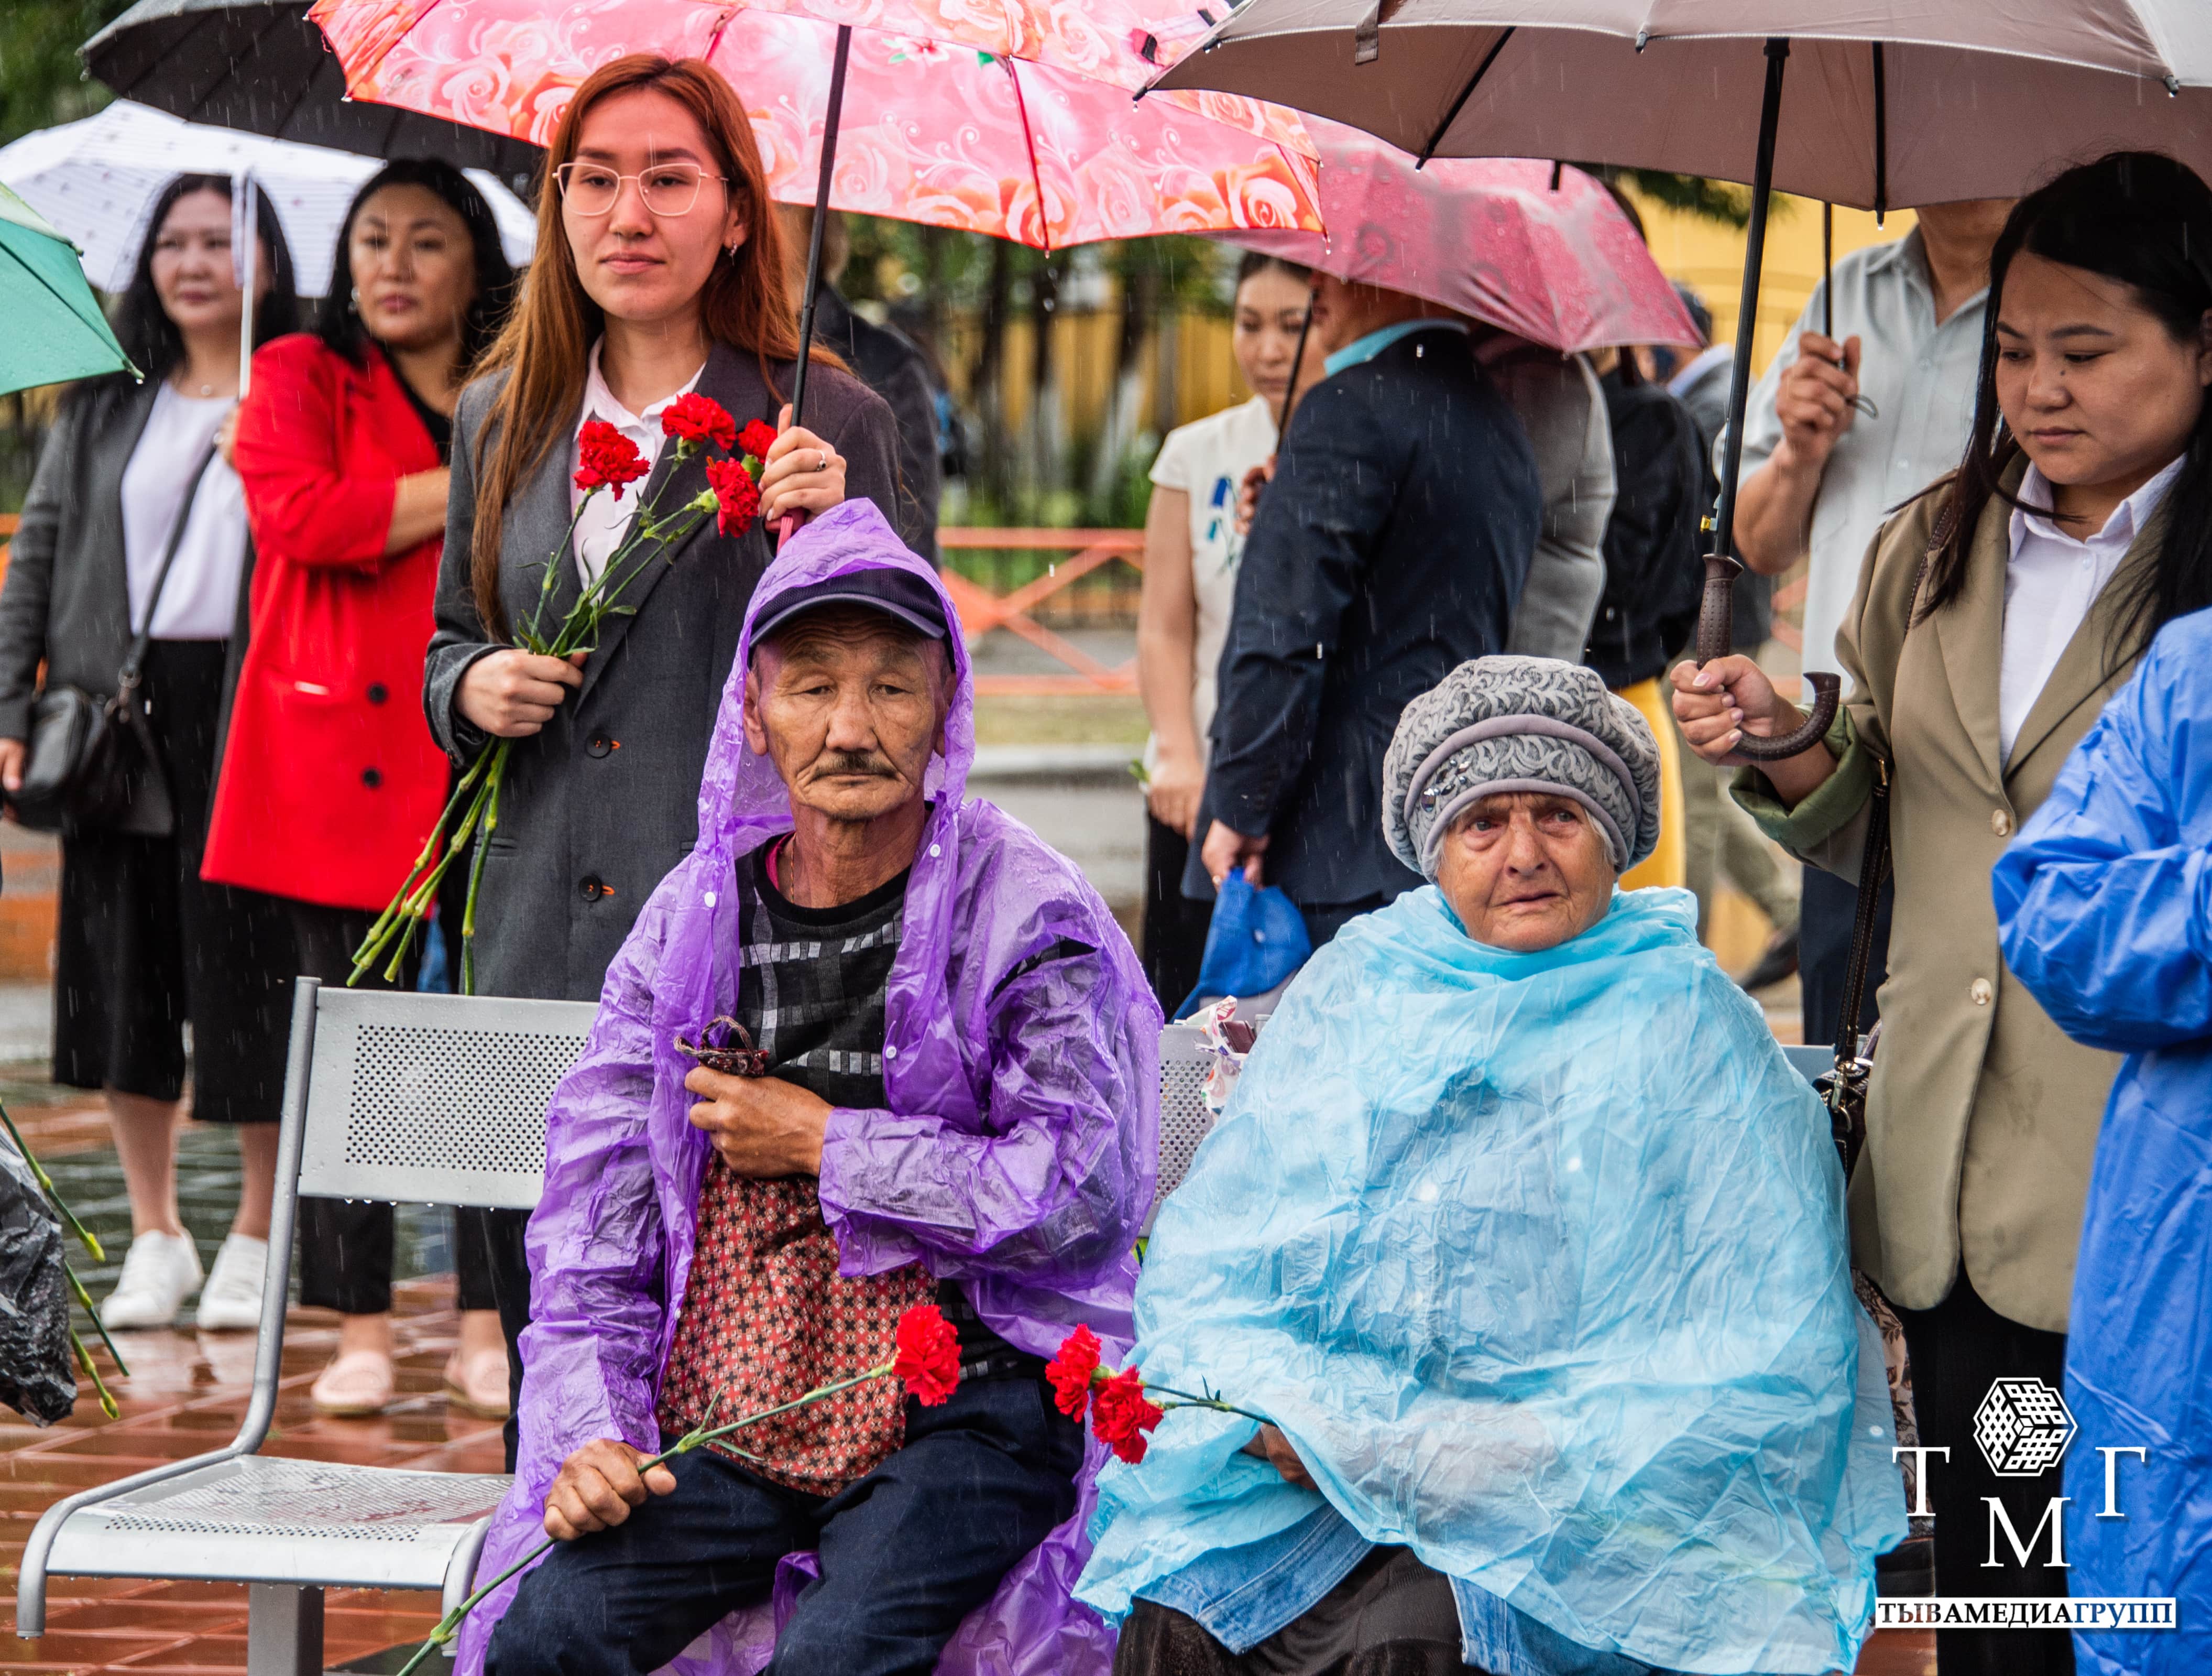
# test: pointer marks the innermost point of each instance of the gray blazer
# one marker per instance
(67, 600)
(598, 805)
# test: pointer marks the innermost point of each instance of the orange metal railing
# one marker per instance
(982, 611)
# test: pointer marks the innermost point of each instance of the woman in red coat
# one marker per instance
(331, 778)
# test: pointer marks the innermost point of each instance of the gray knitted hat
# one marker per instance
(1520, 724)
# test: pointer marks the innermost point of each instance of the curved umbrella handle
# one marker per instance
(1716, 618)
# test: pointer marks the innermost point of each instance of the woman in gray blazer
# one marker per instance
(658, 270)
(143, 944)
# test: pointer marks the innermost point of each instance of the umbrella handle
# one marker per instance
(1716, 624)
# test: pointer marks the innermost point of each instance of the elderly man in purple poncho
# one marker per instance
(960, 1108)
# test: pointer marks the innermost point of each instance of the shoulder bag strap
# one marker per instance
(1874, 864)
(128, 680)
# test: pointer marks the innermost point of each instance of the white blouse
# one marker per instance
(2053, 579)
(200, 600)
(600, 531)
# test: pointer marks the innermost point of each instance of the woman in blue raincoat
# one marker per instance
(2104, 902)
(1524, 1235)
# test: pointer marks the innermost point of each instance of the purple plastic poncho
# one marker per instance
(1017, 1159)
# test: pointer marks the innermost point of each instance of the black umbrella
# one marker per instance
(260, 65)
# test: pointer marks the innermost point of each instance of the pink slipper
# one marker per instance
(359, 1383)
(476, 1383)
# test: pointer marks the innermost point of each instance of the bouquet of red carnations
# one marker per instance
(608, 463)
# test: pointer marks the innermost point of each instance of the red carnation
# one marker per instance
(928, 1357)
(606, 458)
(737, 497)
(693, 418)
(1073, 1371)
(757, 439)
(1122, 1414)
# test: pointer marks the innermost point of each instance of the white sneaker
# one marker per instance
(160, 1273)
(231, 1300)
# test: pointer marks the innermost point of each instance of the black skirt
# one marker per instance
(145, 946)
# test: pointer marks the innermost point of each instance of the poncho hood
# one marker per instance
(1540, 1262)
(1025, 1182)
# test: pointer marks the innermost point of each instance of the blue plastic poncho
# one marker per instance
(2104, 906)
(1540, 1262)
(1018, 1156)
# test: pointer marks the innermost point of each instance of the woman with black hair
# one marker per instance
(332, 776)
(128, 486)
(1994, 616)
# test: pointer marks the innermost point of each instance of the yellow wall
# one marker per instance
(1706, 254)
(1710, 257)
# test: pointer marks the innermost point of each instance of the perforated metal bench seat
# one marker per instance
(421, 1099)
(263, 1519)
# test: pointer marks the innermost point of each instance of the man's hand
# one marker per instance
(598, 1486)
(15, 754)
(1814, 400)
(1272, 1447)
(762, 1126)
(1226, 849)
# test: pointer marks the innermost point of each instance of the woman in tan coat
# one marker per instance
(1994, 617)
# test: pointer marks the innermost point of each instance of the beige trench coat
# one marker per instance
(1981, 1116)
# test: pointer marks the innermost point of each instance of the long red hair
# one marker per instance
(546, 343)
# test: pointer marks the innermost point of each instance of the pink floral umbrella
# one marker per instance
(1539, 250)
(1049, 150)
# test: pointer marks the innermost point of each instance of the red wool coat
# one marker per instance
(330, 780)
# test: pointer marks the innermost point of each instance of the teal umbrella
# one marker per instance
(55, 329)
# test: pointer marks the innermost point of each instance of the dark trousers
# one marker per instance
(1175, 925)
(1958, 1350)
(1325, 919)
(1825, 917)
(346, 1245)
(510, 1291)
(906, 1553)
(145, 946)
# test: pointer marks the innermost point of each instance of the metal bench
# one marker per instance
(420, 1098)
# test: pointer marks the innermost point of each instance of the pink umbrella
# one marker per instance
(1541, 251)
(954, 135)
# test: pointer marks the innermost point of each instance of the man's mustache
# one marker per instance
(833, 764)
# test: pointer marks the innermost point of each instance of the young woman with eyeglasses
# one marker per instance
(658, 270)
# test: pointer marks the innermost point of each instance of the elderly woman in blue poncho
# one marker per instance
(1527, 1239)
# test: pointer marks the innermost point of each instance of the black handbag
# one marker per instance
(90, 761)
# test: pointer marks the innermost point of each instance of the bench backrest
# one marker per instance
(433, 1099)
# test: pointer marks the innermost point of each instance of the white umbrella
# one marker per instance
(1910, 101)
(97, 181)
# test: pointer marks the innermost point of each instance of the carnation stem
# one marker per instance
(46, 1186)
(450, 1624)
(1187, 1400)
(468, 974)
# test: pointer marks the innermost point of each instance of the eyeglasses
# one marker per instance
(668, 189)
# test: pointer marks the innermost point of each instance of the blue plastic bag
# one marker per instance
(1256, 941)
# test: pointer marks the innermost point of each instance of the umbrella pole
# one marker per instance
(1715, 611)
(830, 125)
(1828, 271)
(249, 286)
(1298, 360)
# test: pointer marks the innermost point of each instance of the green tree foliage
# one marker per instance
(41, 80)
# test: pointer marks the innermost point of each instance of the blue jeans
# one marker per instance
(906, 1553)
